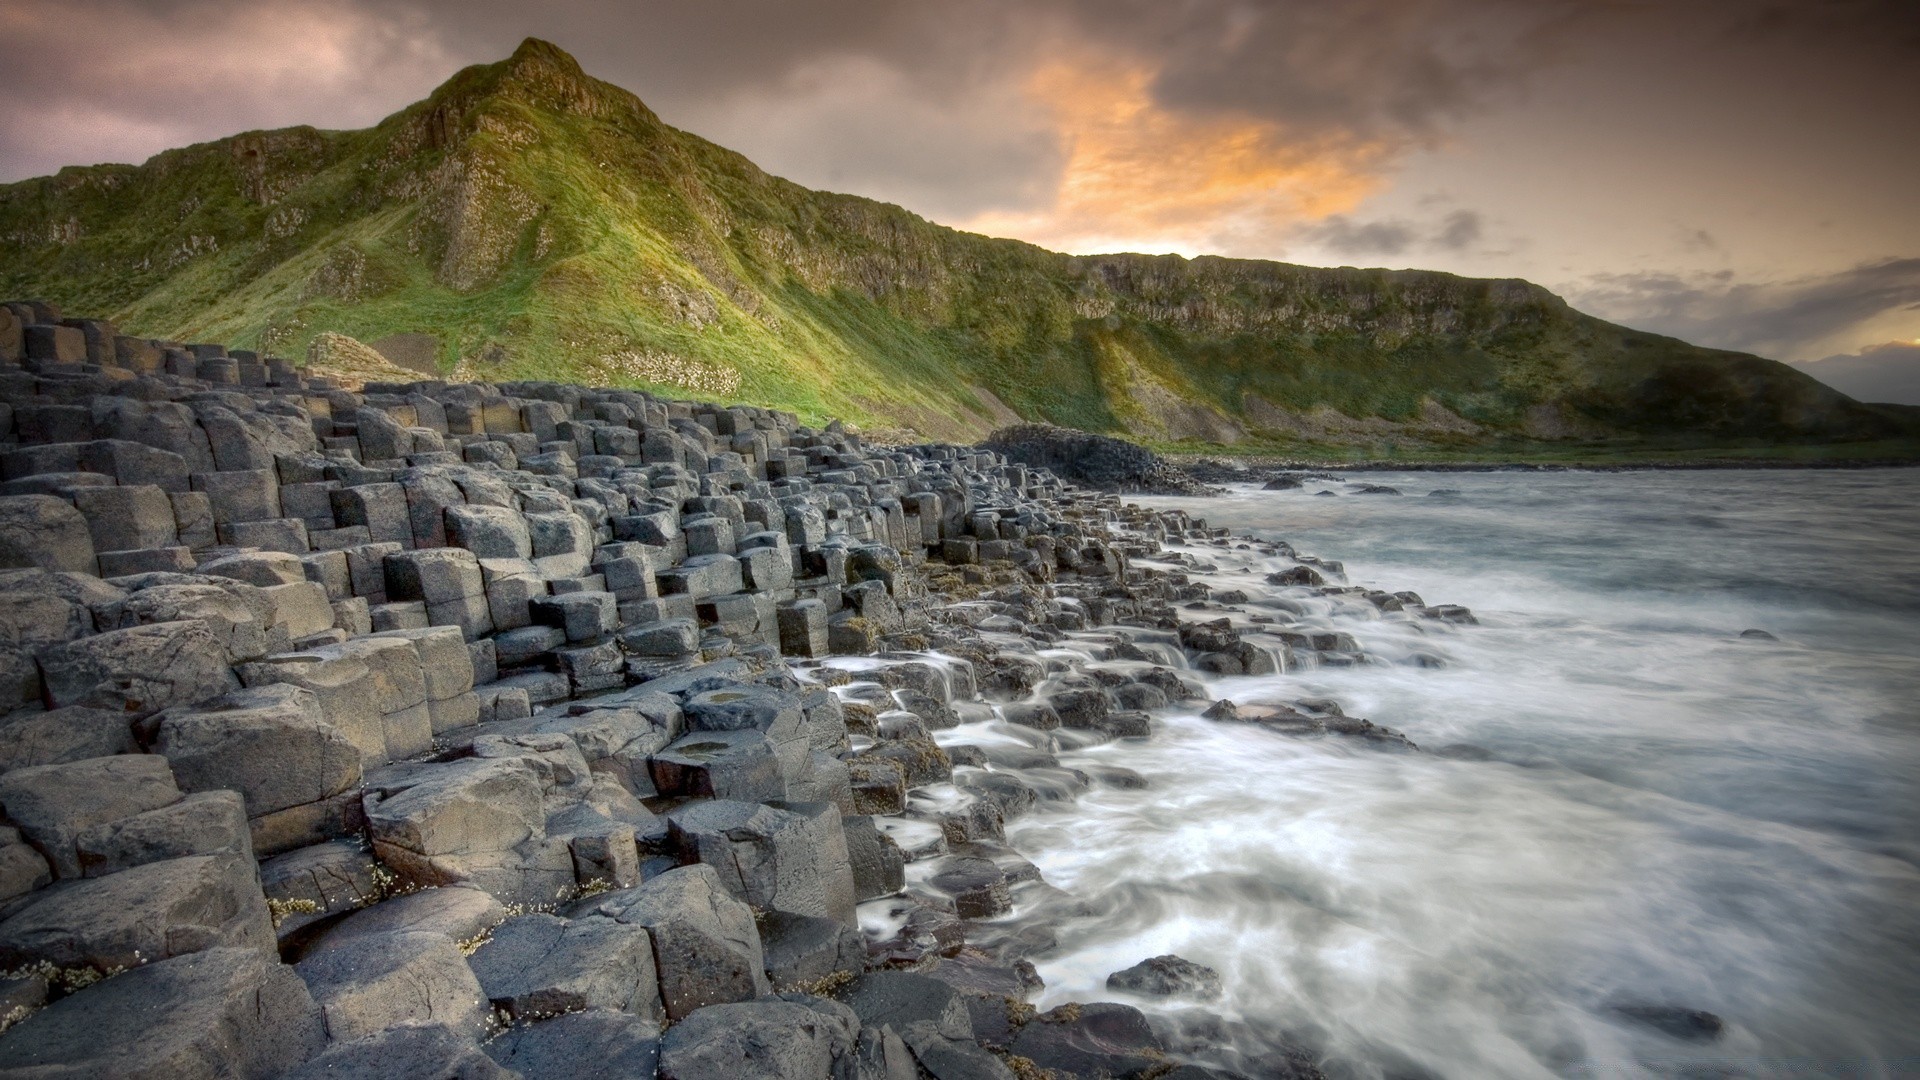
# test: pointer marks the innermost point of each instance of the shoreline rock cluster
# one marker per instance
(461, 730)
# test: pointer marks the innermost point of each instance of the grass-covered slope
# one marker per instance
(537, 222)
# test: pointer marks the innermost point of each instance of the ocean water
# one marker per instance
(1619, 802)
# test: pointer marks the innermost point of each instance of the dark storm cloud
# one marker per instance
(1885, 373)
(1786, 320)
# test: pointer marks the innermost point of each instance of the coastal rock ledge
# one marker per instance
(535, 730)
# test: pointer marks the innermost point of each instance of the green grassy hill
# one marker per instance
(536, 222)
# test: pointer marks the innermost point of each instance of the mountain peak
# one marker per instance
(535, 52)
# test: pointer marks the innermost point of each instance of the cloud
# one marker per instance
(115, 80)
(1137, 174)
(1206, 125)
(1797, 319)
(1884, 373)
(1344, 237)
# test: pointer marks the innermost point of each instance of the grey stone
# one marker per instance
(270, 743)
(40, 530)
(901, 999)
(446, 664)
(703, 576)
(61, 735)
(142, 914)
(759, 1040)
(670, 637)
(240, 495)
(412, 1051)
(379, 980)
(54, 804)
(490, 532)
(344, 687)
(791, 857)
(582, 616)
(721, 765)
(706, 948)
(204, 823)
(435, 575)
(1099, 1039)
(461, 913)
(1167, 976)
(126, 518)
(478, 821)
(221, 1014)
(597, 1044)
(537, 966)
(802, 950)
(879, 869)
(258, 568)
(308, 884)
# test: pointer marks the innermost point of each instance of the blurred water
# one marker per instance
(1662, 812)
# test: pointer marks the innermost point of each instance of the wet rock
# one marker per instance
(877, 864)
(1101, 1039)
(1758, 635)
(979, 888)
(1167, 976)
(1675, 1021)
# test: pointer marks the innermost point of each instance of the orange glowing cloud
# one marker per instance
(1141, 177)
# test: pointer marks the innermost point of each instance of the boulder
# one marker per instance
(879, 869)
(1101, 1039)
(598, 1044)
(42, 531)
(140, 670)
(802, 950)
(722, 765)
(458, 912)
(478, 821)
(205, 823)
(54, 804)
(413, 1051)
(757, 1040)
(221, 1014)
(143, 914)
(705, 945)
(62, 735)
(1167, 976)
(538, 966)
(901, 999)
(788, 857)
(270, 743)
(379, 980)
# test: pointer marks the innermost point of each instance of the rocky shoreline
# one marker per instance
(461, 730)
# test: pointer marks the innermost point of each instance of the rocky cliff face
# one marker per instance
(539, 223)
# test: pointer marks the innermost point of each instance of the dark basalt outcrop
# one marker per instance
(1096, 461)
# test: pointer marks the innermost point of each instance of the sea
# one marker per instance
(1634, 840)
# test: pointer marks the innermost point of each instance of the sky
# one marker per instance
(1739, 173)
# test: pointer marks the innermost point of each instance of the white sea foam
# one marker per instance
(1661, 812)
